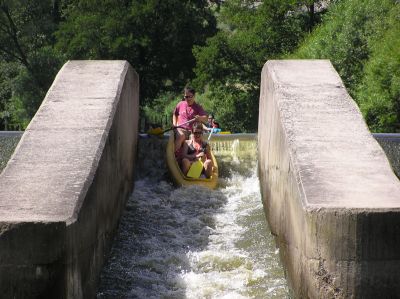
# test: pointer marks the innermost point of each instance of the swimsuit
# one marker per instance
(192, 149)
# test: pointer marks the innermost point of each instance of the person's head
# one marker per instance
(197, 130)
(210, 118)
(189, 94)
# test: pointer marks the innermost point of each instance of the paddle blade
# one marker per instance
(195, 170)
(155, 131)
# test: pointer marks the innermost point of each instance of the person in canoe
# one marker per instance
(210, 118)
(212, 125)
(186, 110)
(196, 148)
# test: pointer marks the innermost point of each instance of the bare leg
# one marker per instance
(185, 165)
(208, 166)
(180, 138)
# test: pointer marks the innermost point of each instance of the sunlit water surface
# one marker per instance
(8, 142)
(192, 242)
(390, 143)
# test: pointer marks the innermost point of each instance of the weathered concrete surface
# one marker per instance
(329, 193)
(64, 188)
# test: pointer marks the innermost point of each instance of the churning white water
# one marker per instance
(192, 242)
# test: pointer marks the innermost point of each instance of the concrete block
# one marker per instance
(64, 188)
(329, 193)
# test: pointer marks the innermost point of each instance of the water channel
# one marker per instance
(192, 242)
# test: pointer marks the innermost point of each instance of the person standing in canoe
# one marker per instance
(186, 110)
(195, 149)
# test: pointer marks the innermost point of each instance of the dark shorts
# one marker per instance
(186, 132)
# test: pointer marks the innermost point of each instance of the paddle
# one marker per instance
(158, 132)
(195, 169)
(216, 131)
(209, 136)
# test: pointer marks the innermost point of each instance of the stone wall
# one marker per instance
(67, 182)
(328, 191)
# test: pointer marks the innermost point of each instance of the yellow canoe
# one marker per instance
(179, 178)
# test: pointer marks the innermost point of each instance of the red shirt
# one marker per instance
(184, 112)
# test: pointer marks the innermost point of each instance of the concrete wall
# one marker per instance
(64, 188)
(328, 191)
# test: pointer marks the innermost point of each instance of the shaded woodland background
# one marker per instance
(218, 47)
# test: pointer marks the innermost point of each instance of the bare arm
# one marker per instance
(185, 152)
(205, 128)
(174, 119)
(202, 118)
(208, 152)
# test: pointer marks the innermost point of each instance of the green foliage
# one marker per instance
(360, 38)
(8, 71)
(28, 92)
(231, 107)
(379, 92)
(26, 36)
(26, 25)
(18, 112)
(344, 36)
(230, 64)
(156, 37)
(173, 42)
(22, 90)
(160, 110)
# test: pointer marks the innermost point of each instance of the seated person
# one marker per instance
(195, 148)
(209, 121)
(211, 124)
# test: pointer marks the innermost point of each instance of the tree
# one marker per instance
(379, 92)
(25, 27)
(26, 32)
(345, 35)
(155, 36)
(361, 38)
(228, 68)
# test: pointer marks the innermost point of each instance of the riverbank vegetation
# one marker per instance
(219, 47)
(362, 40)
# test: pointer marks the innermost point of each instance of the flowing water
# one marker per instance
(390, 143)
(8, 142)
(192, 242)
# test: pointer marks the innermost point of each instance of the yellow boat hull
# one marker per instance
(179, 178)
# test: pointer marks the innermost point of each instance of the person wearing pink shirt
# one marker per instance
(186, 110)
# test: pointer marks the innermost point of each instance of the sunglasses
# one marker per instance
(197, 133)
(188, 97)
